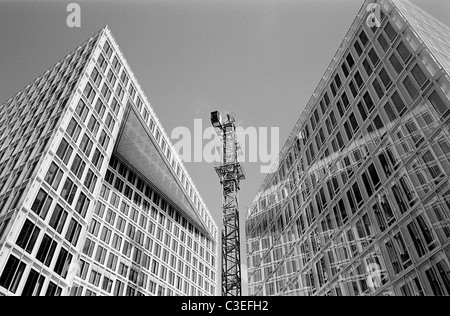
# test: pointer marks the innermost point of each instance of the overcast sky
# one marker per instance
(261, 59)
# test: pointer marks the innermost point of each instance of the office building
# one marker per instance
(94, 200)
(360, 202)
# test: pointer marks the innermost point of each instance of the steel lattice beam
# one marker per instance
(230, 173)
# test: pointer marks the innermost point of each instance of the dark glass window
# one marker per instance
(34, 284)
(396, 64)
(58, 218)
(53, 176)
(385, 79)
(337, 80)
(68, 191)
(46, 250)
(438, 103)
(362, 111)
(383, 42)
(390, 32)
(28, 236)
(350, 60)
(363, 38)
(340, 109)
(374, 57)
(378, 89)
(419, 75)
(368, 100)
(367, 184)
(353, 88)
(345, 69)
(64, 151)
(367, 67)
(398, 103)
(412, 90)
(82, 204)
(345, 100)
(41, 204)
(12, 274)
(63, 262)
(403, 51)
(359, 80)
(358, 48)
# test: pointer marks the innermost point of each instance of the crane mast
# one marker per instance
(230, 173)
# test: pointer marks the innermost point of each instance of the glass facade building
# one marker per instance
(360, 201)
(93, 197)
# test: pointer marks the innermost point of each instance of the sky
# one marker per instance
(261, 59)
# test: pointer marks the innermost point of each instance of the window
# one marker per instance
(105, 236)
(100, 108)
(363, 38)
(396, 64)
(73, 232)
(390, 112)
(82, 204)
(53, 290)
(107, 284)
(110, 122)
(412, 90)
(377, 87)
(90, 181)
(89, 92)
(12, 274)
(86, 145)
(390, 32)
(69, 190)
(438, 103)
(345, 70)
(104, 140)
(54, 175)
(106, 92)
(419, 75)
(385, 79)
(34, 284)
(102, 62)
(398, 253)
(77, 168)
(353, 89)
(101, 254)
(46, 250)
(403, 52)
(96, 77)
(398, 103)
(41, 204)
(358, 48)
(28, 236)
(82, 110)
(367, 67)
(112, 261)
(97, 159)
(422, 235)
(110, 217)
(64, 151)
(383, 213)
(412, 287)
(93, 126)
(94, 278)
(350, 60)
(88, 248)
(345, 100)
(111, 78)
(359, 80)
(434, 170)
(58, 218)
(383, 42)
